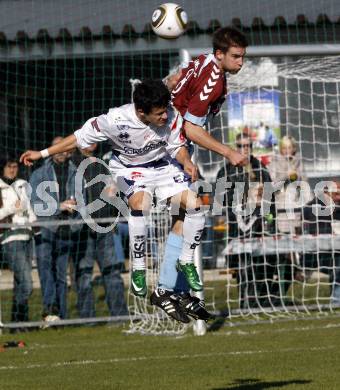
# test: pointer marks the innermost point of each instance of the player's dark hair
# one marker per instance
(226, 37)
(151, 94)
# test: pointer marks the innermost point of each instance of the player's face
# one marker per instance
(157, 117)
(232, 60)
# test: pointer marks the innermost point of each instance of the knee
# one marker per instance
(62, 277)
(85, 282)
(140, 201)
(28, 283)
(191, 201)
(107, 271)
(177, 226)
(25, 288)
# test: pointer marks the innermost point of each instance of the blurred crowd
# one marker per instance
(63, 245)
(63, 248)
(277, 192)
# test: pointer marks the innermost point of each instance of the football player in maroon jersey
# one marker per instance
(201, 89)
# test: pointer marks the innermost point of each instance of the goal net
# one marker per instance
(285, 262)
(145, 318)
(293, 270)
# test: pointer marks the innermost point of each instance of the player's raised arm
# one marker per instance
(202, 138)
(94, 130)
(65, 145)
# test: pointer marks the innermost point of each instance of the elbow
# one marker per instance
(189, 133)
(174, 154)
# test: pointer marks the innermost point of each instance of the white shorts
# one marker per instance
(163, 182)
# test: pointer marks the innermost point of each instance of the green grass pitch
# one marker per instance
(302, 354)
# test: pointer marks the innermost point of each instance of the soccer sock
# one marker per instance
(182, 285)
(168, 272)
(137, 235)
(192, 232)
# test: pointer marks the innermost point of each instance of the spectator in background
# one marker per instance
(121, 233)
(254, 272)
(320, 218)
(270, 139)
(250, 132)
(16, 241)
(121, 244)
(94, 246)
(286, 166)
(53, 199)
(261, 135)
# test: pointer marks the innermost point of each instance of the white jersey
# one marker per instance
(133, 142)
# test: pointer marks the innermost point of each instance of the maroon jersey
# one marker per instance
(201, 90)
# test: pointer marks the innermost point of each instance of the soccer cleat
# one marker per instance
(194, 307)
(138, 283)
(191, 275)
(163, 300)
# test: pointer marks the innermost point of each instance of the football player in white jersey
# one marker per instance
(146, 143)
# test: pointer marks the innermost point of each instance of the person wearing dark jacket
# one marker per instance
(247, 191)
(97, 246)
(53, 199)
(16, 241)
(319, 219)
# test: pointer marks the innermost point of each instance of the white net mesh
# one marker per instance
(305, 93)
(287, 271)
(292, 270)
(145, 318)
(289, 276)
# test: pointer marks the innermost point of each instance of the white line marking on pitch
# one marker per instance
(280, 330)
(238, 332)
(141, 358)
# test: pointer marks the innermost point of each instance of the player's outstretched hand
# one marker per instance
(237, 158)
(192, 170)
(29, 156)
